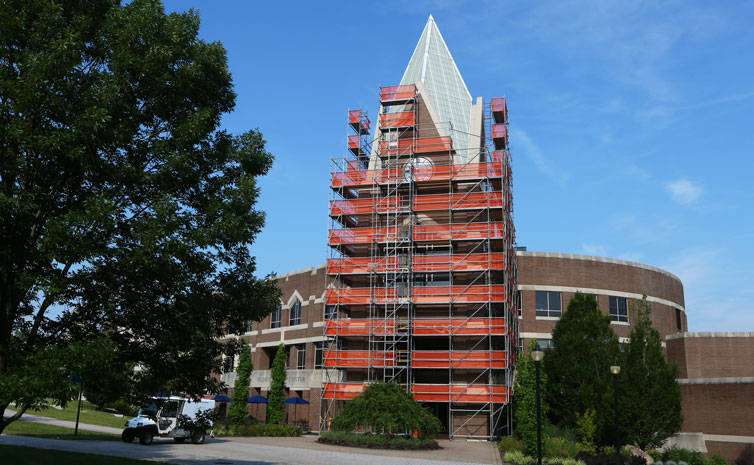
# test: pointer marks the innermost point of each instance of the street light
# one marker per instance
(615, 369)
(537, 355)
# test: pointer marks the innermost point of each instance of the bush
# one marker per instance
(677, 454)
(386, 408)
(656, 454)
(377, 441)
(717, 459)
(555, 431)
(272, 430)
(519, 458)
(510, 444)
(601, 459)
(560, 447)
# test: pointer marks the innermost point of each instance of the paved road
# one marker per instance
(248, 451)
(66, 423)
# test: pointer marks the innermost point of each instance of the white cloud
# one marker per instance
(534, 153)
(684, 191)
(593, 249)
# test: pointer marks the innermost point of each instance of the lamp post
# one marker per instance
(537, 355)
(615, 369)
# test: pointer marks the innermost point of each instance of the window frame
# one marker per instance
(294, 316)
(301, 357)
(276, 317)
(548, 312)
(617, 317)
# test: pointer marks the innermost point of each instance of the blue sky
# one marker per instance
(630, 122)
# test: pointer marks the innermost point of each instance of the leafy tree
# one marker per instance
(525, 400)
(108, 383)
(649, 395)
(578, 365)
(239, 408)
(126, 211)
(386, 408)
(276, 396)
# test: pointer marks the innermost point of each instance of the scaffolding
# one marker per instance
(422, 267)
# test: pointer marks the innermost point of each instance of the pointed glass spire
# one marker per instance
(433, 65)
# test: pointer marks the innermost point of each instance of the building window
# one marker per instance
(618, 309)
(545, 343)
(249, 325)
(295, 318)
(301, 357)
(276, 315)
(331, 312)
(319, 354)
(678, 320)
(548, 304)
(519, 300)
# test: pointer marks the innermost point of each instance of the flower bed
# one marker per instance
(377, 441)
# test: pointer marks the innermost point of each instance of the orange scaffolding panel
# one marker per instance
(423, 145)
(458, 326)
(458, 359)
(358, 358)
(354, 177)
(421, 263)
(458, 201)
(460, 231)
(460, 393)
(397, 93)
(397, 120)
(359, 327)
(364, 206)
(420, 327)
(420, 294)
(471, 262)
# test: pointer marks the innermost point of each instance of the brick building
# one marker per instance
(422, 286)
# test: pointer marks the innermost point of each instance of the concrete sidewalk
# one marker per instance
(66, 423)
(267, 451)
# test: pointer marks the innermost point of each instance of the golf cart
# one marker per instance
(159, 416)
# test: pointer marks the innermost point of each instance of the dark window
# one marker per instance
(319, 354)
(295, 318)
(276, 315)
(331, 312)
(301, 357)
(519, 300)
(548, 303)
(678, 321)
(249, 325)
(618, 309)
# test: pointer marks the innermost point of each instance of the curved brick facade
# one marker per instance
(604, 277)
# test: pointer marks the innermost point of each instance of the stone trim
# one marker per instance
(591, 258)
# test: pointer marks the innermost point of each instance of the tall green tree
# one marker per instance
(525, 400)
(649, 395)
(386, 408)
(276, 395)
(239, 408)
(126, 211)
(578, 365)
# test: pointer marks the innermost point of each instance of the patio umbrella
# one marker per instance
(257, 400)
(295, 401)
(222, 398)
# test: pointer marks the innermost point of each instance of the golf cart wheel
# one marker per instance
(179, 440)
(127, 435)
(146, 439)
(197, 438)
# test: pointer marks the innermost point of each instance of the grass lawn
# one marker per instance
(40, 430)
(32, 456)
(88, 415)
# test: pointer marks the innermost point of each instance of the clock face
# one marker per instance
(418, 169)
